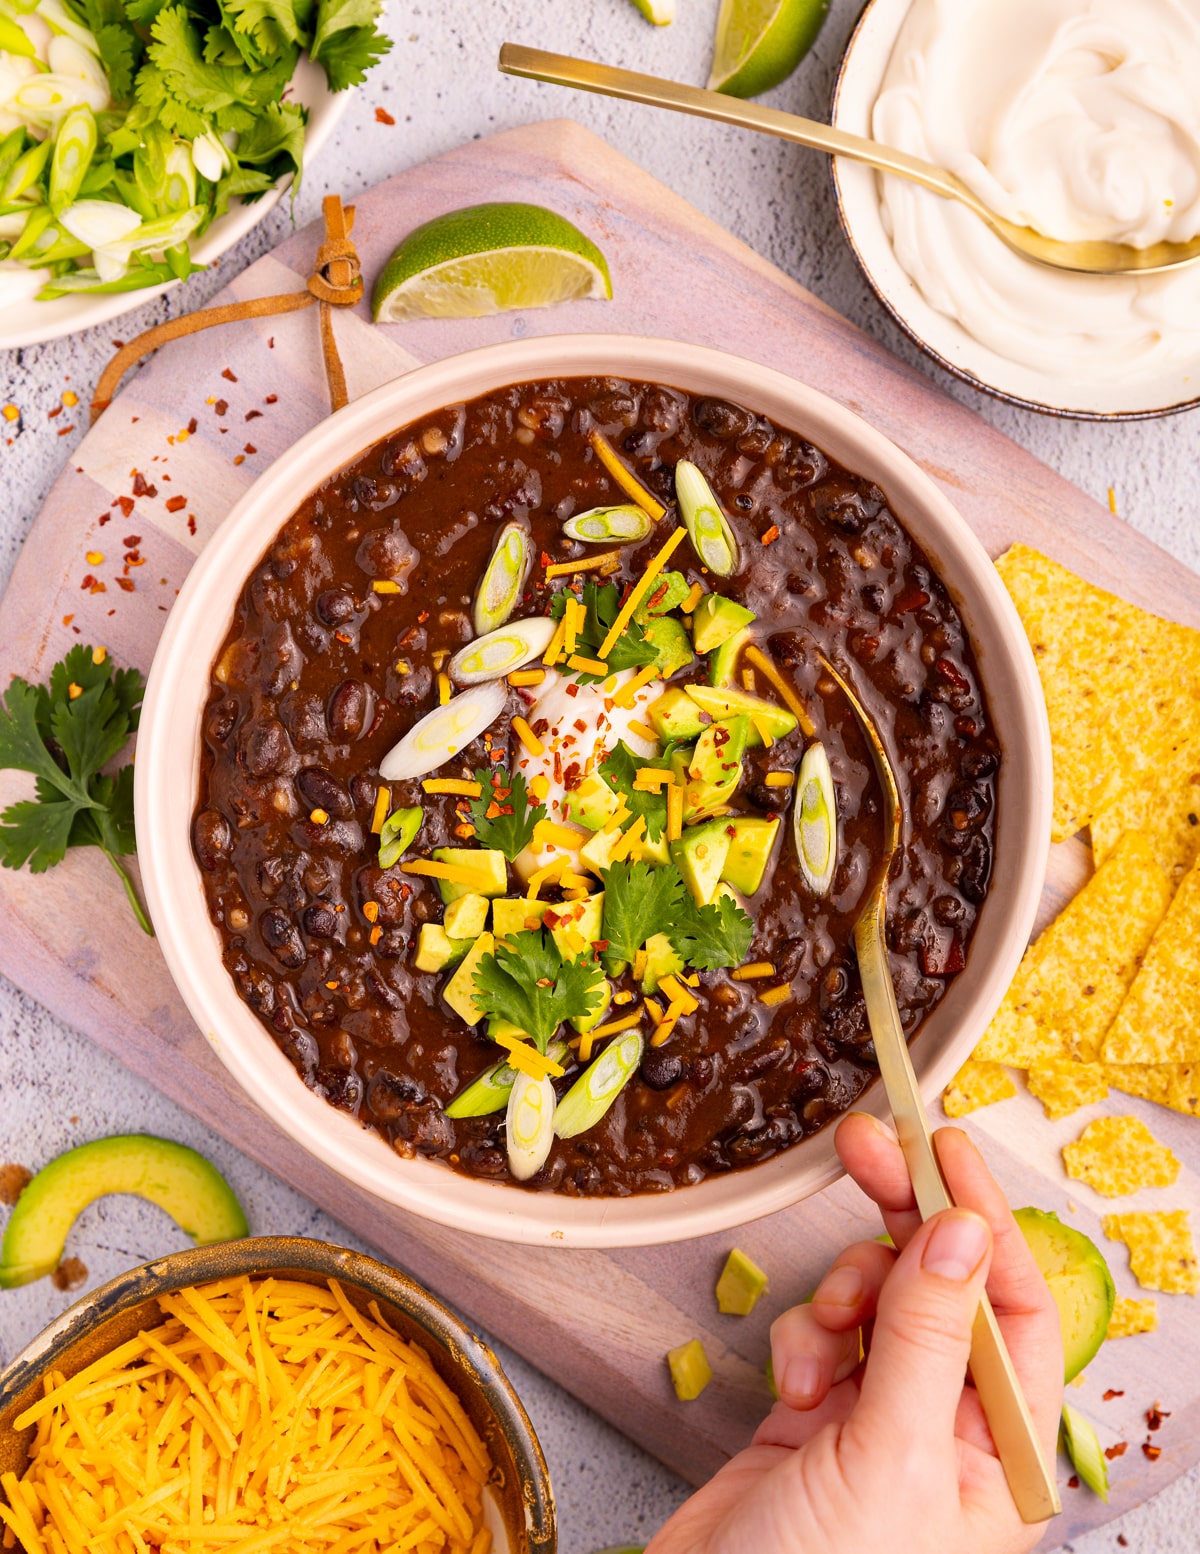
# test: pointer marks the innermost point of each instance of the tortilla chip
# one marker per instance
(1165, 808)
(1065, 1089)
(1074, 979)
(975, 1085)
(1159, 1022)
(1176, 1085)
(1119, 1155)
(1130, 1317)
(1116, 679)
(1162, 1255)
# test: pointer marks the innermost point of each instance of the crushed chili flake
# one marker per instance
(1151, 1452)
(67, 619)
(231, 376)
(98, 588)
(125, 503)
(64, 431)
(1155, 1417)
(221, 406)
(1112, 1393)
(126, 583)
(1073, 1481)
(191, 523)
(249, 448)
(271, 399)
(176, 504)
(572, 689)
(193, 426)
(132, 539)
(253, 415)
(141, 486)
(382, 116)
(57, 410)
(240, 458)
(771, 535)
(1117, 1449)
(1122, 1541)
(88, 581)
(103, 519)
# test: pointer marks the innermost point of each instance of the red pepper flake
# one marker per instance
(580, 725)
(271, 399)
(191, 523)
(1073, 1481)
(126, 583)
(343, 636)
(67, 619)
(771, 535)
(56, 411)
(572, 689)
(249, 448)
(221, 407)
(132, 539)
(1117, 1449)
(176, 504)
(271, 343)
(1112, 1393)
(98, 588)
(193, 426)
(118, 345)
(493, 811)
(495, 755)
(225, 373)
(909, 599)
(64, 430)
(1155, 1417)
(141, 487)
(103, 519)
(382, 116)
(657, 596)
(1151, 1452)
(125, 503)
(423, 617)
(240, 458)
(254, 415)
(1122, 1541)
(88, 581)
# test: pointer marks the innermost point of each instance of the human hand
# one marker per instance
(893, 1452)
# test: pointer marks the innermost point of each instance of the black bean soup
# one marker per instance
(320, 676)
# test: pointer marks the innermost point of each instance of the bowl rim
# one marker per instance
(838, 169)
(262, 1256)
(169, 746)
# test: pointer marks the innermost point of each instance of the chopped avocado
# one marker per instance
(1085, 1451)
(467, 917)
(459, 992)
(675, 716)
(487, 863)
(722, 666)
(669, 640)
(592, 803)
(583, 1023)
(436, 950)
(732, 703)
(514, 916)
(1079, 1280)
(715, 620)
(177, 1179)
(715, 767)
(597, 853)
(657, 851)
(573, 921)
(498, 1027)
(690, 1370)
(700, 855)
(662, 960)
(749, 852)
(740, 1286)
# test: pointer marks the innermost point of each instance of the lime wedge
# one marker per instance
(489, 259)
(660, 12)
(760, 42)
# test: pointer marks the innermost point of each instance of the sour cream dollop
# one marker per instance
(1080, 118)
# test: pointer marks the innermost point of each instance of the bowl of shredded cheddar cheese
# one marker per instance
(269, 1393)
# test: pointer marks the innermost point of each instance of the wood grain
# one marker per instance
(206, 416)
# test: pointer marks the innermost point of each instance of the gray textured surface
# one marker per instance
(440, 85)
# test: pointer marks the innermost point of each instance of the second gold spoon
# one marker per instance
(1089, 258)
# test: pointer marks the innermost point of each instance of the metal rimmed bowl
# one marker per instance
(520, 1501)
(944, 340)
(169, 748)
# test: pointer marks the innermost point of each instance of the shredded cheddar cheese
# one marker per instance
(678, 994)
(760, 661)
(584, 664)
(780, 779)
(763, 731)
(548, 833)
(695, 594)
(776, 995)
(674, 813)
(529, 740)
(257, 1415)
(571, 614)
(455, 873)
(643, 731)
(383, 803)
(600, 562)
(752, 970)
(625, 478)
(639, 591)
(526, 1059)
(465, 786)
(521, 677)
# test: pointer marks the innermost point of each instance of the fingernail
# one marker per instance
(841, 1287)
(801, 1378)
(878, 1124)
(956, 1247)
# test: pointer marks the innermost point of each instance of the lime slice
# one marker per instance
(489, 259)
(760, 42)
(660, 12)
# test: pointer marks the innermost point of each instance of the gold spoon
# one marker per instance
(1089, 258)
(1030, 1477)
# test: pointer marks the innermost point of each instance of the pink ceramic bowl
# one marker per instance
(169, 754)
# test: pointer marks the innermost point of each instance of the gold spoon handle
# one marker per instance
(589, 76)
(1030, 1477)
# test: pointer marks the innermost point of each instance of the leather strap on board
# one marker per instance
(336, 282)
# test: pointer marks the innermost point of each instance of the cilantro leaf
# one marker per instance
(510, 828)
(638, 901)
(602, 604)
(346, 41)
(619, 768)
(712, 936)
(528, 982)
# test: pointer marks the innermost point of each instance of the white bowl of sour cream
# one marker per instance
(1078, 117)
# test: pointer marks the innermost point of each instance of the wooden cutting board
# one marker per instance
(200, 422)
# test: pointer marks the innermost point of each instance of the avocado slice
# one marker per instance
(715, 619)
(584, 917)
(731, 703)
(511, 916)
(722, 664)
(1079, 1280)
(700, 855)
(583, 1023)
(459, 992)
(675, 717)
(690, 1370)
(436, 950)
(592, 803)
(672, 648)
(467, 917)
(487, 862)
(180, 1181)
(749, 852)
(662, 960)
(715, 767)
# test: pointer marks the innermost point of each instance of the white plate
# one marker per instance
(32, 323)
(860, 78)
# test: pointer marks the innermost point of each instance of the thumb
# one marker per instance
(915, 1372)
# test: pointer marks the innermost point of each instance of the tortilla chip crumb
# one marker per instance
(1130, 1317)
(1118, 1155)
(975, 1085)
(1162, 1254)
(1064, 1089)
(1156, 1023)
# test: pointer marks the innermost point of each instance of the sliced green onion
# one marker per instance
(529, 1125)
(74, 147)
(11, 148)
(39, 221)
(488, 1093)
(179, 186)
(1085, 1451)
(442, 733)
(590, 1097)
(501, 651)
(814, 819)
(602, 525)
(708, 528)
(397, 833)
(99, 223)
(14, 39)
(26, 170)
(210, 156)
(503, 579)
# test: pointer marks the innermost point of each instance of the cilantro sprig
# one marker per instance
(640, 901)
(528, 981)
(712, 936)
(502, 815)
(619, 768)
(602, 604)
(64, 733)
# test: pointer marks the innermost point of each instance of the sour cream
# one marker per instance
(1080, 118)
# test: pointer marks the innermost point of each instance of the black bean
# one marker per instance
(722, 419)
(342, 838)
(789, 649)
(335, 606)
(382, 992)
(700, 1070)
(265, 748)
(660, 1068)
(220, 719)
(949, 910)
(423, 1129)
(320, 789)
(481, 1158)
(320, 922)
(341, 1087)
(387, 553)
(979, 763)
(976, 867)
(281, 938)
(303, 716)
(211, 838)
(390, 1095)
(346, 713)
